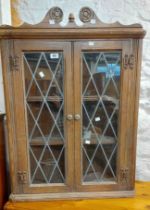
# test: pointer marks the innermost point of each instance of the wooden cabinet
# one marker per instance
(72, 101)
(3, 180)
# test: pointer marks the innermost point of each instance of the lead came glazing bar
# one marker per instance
(44, 104)
(100, 102)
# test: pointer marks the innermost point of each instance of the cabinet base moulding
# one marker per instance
(70, 196)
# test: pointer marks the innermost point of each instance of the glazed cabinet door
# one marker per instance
(43, 116)
(103, 90)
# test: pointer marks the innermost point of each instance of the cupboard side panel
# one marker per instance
(137, 47)
(6, 52)
(125, 132)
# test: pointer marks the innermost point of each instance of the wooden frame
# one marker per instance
(71, 39)
(34, 45)
(3, 180)
(125, 47)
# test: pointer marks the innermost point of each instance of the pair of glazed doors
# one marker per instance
(72, 115)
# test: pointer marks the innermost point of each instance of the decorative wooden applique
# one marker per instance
(124, 175)
(128, 61)
(71, 18)
(86, 14)
(56, 14)
(14, 63)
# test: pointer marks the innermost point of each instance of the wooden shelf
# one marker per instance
(105, 98)
(91, 98)
(53, 142)
(40, 98)
(106, 140)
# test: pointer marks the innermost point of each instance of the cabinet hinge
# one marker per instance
(124, 175)
(14, 63)
(128, 61)
(22, 177)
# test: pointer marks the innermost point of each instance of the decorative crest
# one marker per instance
(54, 18)
(86, 14)
(56, 14)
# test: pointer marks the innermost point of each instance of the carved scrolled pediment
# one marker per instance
(91, 27)
(86, 15)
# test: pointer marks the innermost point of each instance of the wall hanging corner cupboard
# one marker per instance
(72, 101)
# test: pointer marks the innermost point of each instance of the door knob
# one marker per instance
(77, 117)
(69, 117)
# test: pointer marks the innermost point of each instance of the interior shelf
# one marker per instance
(104, 98)
(105, 140)
(40, 98)
(53, 141)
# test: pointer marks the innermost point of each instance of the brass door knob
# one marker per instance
(77, 117)
(69, 117)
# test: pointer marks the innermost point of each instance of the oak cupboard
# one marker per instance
(3, 185)
(72, 102)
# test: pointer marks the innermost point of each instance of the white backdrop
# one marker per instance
(126, 12)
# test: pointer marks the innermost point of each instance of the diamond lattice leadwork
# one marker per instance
(100, 105)
(44, 104)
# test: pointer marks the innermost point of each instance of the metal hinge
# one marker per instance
(124, 175)
(128, 61)
(14, 63)
(22, 177)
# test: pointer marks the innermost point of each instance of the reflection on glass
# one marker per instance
(44, 101)
(100, 108)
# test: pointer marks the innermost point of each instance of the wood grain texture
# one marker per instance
(68, 33)
(20, 113)
(2, 165)
(140, 202)
(125, 94)
(73, 106)
(72, 40)
(6, 49)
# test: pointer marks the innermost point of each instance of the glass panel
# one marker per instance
(100, 109)
(45, 116)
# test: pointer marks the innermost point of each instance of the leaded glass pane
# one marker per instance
(100, 109)
(45, 115)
